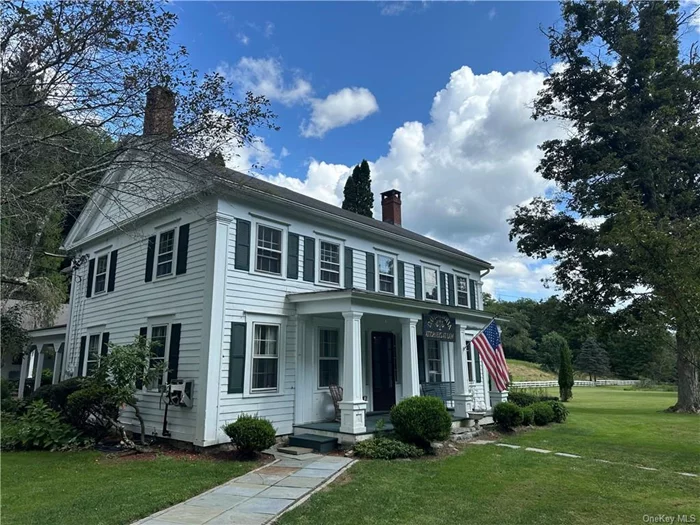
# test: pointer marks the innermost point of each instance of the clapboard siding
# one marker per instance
(123, 311)
(359, 269)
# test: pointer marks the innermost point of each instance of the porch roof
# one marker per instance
(352, 299)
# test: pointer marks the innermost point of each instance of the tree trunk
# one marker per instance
(138, 415)
(687, 366)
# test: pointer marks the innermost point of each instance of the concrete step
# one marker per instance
(321, 444)
(295, 451)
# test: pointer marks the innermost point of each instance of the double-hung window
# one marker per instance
(329, 261)
(269, 250)
(166, 249)
(385, 267)
(265, 358)
(159, 339)
(101, 274)
(463, 291)
(473, 361)
(430, 276)
(328, 358)
(93, 354)
(434, 362)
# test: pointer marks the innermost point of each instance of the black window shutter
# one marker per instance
(150, 258)
(174, 351)
(242, 257)
(105, 343)
(443, 288)
(472, 293)
(81, 359)
(309, 258)
(183, 243)
(402, 280)
(143, 332)
(451, 288)
(421, 360)
(418, 275)
(293, 256)
(370, 271)
(112, 270)
(348, 268)
(91, 275)
(236, 364)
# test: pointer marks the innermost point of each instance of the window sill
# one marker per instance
(262, 394)
(278, 276)
(165, 277)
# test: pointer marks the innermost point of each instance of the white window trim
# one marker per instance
(396, 270)
(284, 229)
(440, 360)
(106, 274)
(90, 333)
(325, 324)
(159, 320)
(176, 235)
(436, 269)
(251, 321)
(341, 252)
(457, 278)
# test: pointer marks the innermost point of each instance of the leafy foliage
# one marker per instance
(421, 420)
(39, 428)
(550, 350)
(357, 194)
(507, 415)
(543, 413)
(560, 411)
(528, 416)
(386, 448)
(593, 359)
(93, 410)
(13, 338)
(56, 396)
(523, 398)
(250, 434)
(566, 374)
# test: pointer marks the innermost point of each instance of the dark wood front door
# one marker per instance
(383, 356)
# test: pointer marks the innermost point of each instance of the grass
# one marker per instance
(488, 484)
(86, 487)
(526, 371)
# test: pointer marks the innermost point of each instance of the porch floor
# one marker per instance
(371, 421)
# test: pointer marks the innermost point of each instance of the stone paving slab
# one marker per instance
(507, 445)
(566, 455)
(234, 517)
(217, 499)
(298, 481)
(539, 450)
(190, 514)
(260, 505)
(284, 492)
(312, 473)
(241, 489)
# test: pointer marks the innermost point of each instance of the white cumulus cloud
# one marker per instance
(338, 109)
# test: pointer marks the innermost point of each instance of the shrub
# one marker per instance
(528, 416)
(522, 399)
(42, 428)
(560, 411)
(543, 413)
(420, 420)
(92, 410)
(507, 415)
(386, 448)
(250, 434)
(56, 396)
(9, 438)
(5, 389)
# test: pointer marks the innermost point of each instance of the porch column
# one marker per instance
(39, 366)
(24, 369)
(497, 397)
(352, 407)
(409, 355)
(463, 397)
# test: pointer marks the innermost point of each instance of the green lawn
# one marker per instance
(81, 488)
(489, 484)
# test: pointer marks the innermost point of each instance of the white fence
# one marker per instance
(600, 382)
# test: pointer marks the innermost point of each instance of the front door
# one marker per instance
(383, 355)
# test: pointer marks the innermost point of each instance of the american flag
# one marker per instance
(488, 344)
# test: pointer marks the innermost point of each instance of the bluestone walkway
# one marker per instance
(256, 497)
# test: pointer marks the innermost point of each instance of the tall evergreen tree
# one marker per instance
(357, 194)
(593, 359)
(566, 374)
(627, 213)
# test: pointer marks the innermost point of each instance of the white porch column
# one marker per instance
(352, 407)
(409, 356)
(463, 397)
(23, 375)
(39, 366)
(301, 397)
(497, 397)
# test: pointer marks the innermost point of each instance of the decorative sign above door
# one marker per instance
(438, 326)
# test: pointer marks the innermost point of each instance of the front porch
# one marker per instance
(376, 348)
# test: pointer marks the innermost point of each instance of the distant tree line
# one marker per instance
(628, 344)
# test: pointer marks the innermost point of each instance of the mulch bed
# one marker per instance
(164, 449)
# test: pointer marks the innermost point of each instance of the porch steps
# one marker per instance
(295, 451)
(320, 444)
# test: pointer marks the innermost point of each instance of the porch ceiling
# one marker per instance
(327, 301)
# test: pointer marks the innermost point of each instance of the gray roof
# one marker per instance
(30, 319)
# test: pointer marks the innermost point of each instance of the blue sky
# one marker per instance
(436, 96)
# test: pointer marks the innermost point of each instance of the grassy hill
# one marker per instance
(526, 371)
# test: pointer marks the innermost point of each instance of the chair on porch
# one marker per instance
(337, 397)
(442, 390)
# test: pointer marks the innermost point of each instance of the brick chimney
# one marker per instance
(160, 111)
(391, 207)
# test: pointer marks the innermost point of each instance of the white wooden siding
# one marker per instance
(359, 269)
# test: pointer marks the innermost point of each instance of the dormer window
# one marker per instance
(269, 250)
(166, 249)
(385, 267)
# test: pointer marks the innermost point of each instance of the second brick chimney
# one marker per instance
(160, 111)
(391, 207)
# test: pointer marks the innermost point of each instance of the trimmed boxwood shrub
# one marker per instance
(560, 411)
(507, 415)
(421, 420)
(543, 412)
(524, 399)
(250, 434)
(528, 416)
(92, 410)
(386, 448)
(56, 396)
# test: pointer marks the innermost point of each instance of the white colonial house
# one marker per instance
(261, 298)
